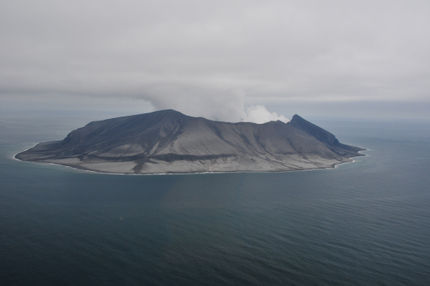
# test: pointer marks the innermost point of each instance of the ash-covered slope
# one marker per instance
(168, 141)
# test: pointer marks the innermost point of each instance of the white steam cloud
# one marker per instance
(222, 104)
(260, 114)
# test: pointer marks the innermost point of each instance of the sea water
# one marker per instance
(363, 223)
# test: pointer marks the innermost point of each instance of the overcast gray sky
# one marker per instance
(227, 60)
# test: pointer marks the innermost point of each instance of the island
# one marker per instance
(168, 141)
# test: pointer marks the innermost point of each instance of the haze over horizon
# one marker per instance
(233, 61)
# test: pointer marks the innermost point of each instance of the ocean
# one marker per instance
(362, 223)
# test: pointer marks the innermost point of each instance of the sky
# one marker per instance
(225, 60)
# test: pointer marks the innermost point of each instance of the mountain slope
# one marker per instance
(169, 141)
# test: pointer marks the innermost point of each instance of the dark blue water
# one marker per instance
(366, 223)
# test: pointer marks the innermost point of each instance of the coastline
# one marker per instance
(216, 147)
(83, 170)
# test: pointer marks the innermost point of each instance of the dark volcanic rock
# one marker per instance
(169, 141)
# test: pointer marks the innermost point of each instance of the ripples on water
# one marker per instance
(366, 223)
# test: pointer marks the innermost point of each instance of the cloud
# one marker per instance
(216, 59)
(260, 114)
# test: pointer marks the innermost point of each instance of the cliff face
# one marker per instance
(169, 141)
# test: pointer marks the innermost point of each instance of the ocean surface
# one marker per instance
(363, 223)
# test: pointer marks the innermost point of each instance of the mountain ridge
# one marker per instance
(168, 141)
